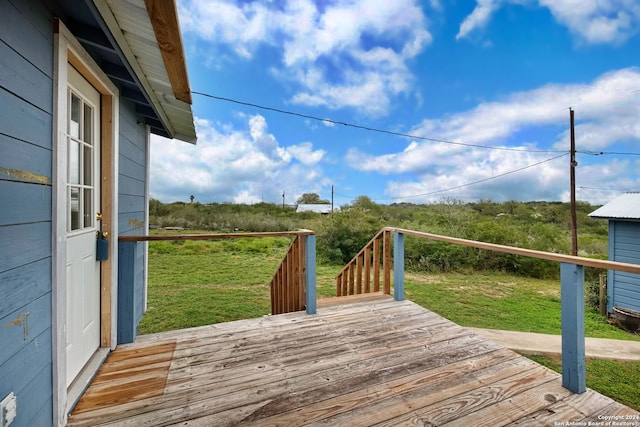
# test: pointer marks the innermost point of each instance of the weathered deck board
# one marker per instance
(368, 362)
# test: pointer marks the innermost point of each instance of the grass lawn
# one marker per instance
(618, 380)
(501, 301)
(194, 283)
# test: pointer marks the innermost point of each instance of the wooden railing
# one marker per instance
(571, 290)
(293, 287)
(362, 273)
(288, 286)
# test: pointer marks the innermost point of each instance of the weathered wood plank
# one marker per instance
(294, 409)
(572, 408)
(466, 398)
(221, 394)
(355, 364)
(507, 411)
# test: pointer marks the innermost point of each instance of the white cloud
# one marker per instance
(350, 53)
(304, 153)
(607, 112)
(479, 18)
(242, 166)
(591, 21)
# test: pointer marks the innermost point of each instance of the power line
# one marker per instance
(372, 129)
(604, 153)
(602, 189)
(467, 184)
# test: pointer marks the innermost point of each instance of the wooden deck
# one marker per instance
(374, 362)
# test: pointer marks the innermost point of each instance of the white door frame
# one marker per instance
(67, 50)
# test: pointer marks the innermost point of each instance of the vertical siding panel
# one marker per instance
(131, 212)
(624, 246)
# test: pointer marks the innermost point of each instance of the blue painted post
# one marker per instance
(310, 278)
(398, 266)
(126, 277)
(574, 371)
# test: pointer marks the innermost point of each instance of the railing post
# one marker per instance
(310, 254)
(127, 326)
(398, 266)
(386, 261)
(574, 371)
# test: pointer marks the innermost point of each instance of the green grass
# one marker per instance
(195, 283)
(617, 380)
(501, 301)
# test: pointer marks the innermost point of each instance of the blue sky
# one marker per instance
(498, 76)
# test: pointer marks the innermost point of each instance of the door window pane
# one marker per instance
(88, 124)
(74, 162)
(74, 206)
(88, 166)
(88, 207)
(74, 118)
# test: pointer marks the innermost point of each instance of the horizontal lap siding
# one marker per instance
(26, 117)
(132, 194)
(625, 247)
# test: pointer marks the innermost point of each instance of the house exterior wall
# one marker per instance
(26, 116)
(624, 246)
(133, 140)
(26, 159)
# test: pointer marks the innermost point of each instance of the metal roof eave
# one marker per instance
(129, 25)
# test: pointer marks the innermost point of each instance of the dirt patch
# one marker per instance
(484, 290)
(423, 278)
(549, 293)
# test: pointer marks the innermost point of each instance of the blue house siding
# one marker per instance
(26, 105)
(131, 220)
(624, 246)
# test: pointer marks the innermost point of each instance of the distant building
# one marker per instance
(623, 213)
(323, 208)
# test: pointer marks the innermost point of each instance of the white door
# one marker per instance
(83, 205)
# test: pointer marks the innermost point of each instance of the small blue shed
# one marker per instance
(623, 213)
(83, 85)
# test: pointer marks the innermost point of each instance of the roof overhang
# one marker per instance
(138, 45)
(624, 207)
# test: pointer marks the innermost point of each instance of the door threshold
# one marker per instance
(82, 381)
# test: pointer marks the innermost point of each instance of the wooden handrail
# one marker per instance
(349, 280)
(288, 286)
(213, 236)
(550, 256)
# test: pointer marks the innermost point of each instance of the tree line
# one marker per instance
(539, 225)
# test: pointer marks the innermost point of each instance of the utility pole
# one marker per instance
(332, 199)
(572, 170)
(282, 199)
